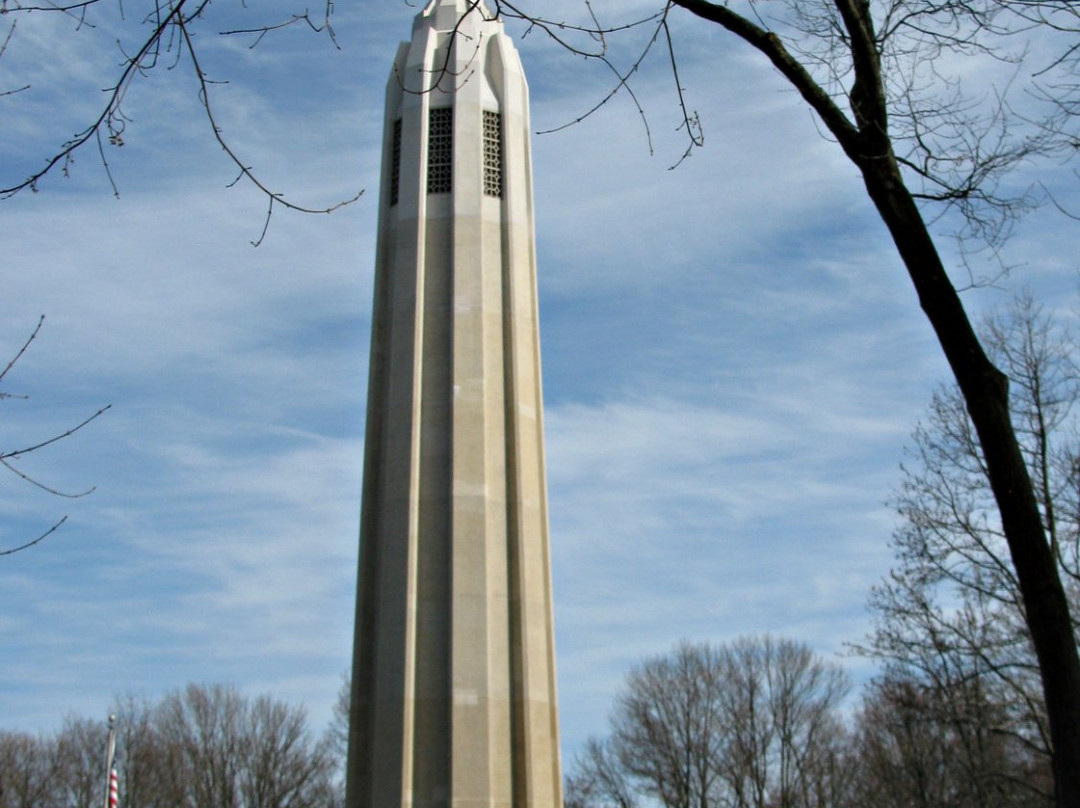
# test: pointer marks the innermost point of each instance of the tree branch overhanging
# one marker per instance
(170, 32)
(8, 456)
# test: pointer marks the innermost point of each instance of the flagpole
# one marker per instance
(110, 769)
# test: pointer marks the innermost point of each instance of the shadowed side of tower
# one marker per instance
(453, 684)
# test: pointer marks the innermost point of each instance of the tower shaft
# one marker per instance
(453, 684)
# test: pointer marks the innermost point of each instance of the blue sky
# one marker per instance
(733, 361)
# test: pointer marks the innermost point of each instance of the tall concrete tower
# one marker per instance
(453, 684)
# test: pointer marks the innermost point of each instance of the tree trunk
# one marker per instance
(984, 388)
(985, 392)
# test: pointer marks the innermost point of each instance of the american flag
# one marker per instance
(112, 789)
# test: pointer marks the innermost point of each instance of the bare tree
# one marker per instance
(80, 777)
(750, 724)
(202, 729)
(337, 734)
(920, 746)
(903, 763)
(226, 751)
(28, 767)
(598, 779)
(143, 759)
(285, 767)
(668, 729)
(950, 618)
(782, 704)
(9, 458)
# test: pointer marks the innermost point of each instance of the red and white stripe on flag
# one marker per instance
(114, 789)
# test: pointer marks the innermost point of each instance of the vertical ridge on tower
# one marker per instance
(453, 697)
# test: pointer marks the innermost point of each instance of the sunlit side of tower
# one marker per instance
(453, 685)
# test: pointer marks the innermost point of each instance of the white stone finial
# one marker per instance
(444, 11)
(459, 5)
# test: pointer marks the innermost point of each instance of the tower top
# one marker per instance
(445, 14)
(461, 6)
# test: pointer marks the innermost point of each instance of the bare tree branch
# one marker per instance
(6, 456)
(170, 22)
(27, 545)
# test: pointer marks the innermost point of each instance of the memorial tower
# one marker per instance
(453, 681)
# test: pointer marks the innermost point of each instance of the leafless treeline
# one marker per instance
(762, 723)
(203, 747)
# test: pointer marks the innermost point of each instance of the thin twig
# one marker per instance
(43, 536)
(4, 456)
(22, 350)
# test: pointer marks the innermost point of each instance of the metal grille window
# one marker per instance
(395, 163)
(440, 170)
(493, 154)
